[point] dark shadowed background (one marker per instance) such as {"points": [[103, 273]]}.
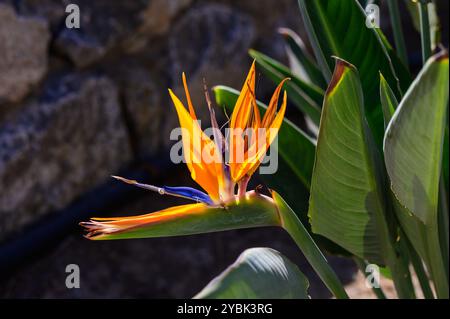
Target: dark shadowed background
{"points": [[78, 105]]}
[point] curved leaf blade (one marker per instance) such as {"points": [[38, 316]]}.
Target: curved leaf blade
{"points": [[388, 100], [346, 203], [298, 52], [413, 152], [338, 28], [258, 273], [413, 143]]}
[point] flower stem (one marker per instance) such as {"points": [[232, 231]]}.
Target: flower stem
{"points": [[243, 186], [398, 31], [292, 224], [424, 30], [417, 263], [362, 267]]}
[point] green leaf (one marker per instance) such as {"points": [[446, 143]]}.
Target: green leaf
{"points": [[291, 223], [258, 273], [388, 100], [413, 143], [413, 151], [346, 203], [433, 18], [301, 60], [412, 226], [307, 97], [293, 176], [337, 28], [445, 158], [396, 23]]}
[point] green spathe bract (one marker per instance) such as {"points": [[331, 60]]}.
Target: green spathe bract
{"points": [[252, 211]]}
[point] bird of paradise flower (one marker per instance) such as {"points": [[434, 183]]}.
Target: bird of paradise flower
{"points": [[209, 169], [221, 207]]}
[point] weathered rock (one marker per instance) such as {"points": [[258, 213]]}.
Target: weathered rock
{"points": [[210, 41], [146, 110], [53, 11], [156, 20], [267, 12], [23, 53], [127, 25], [102, 27], [59, 146]]}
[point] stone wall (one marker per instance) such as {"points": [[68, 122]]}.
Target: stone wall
{"points": [[76, 105]]}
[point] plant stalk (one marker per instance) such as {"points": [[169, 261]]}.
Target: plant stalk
{"points": [[398, 30], [424, 30], [417, 263], [443, 221], [396, 256], [321, 60], [362, 267], [436, 263], [295, 228]]}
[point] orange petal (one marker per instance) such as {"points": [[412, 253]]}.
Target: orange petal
{"points": [[188, 98], [201, 154], [257, 151], [240, 119], [243, 106], [273, 104]]}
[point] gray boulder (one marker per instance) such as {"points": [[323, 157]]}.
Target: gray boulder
{"points": [[23, 53], [58, 146]]}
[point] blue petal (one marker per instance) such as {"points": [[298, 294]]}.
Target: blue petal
{"points": [[189, 192]]}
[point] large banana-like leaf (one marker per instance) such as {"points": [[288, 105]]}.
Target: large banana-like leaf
{"points": [[307, 97], [346, 202], [258, 273], [413, 151], [411, 225], [445, 158], [338, 28], [413, 143]]}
